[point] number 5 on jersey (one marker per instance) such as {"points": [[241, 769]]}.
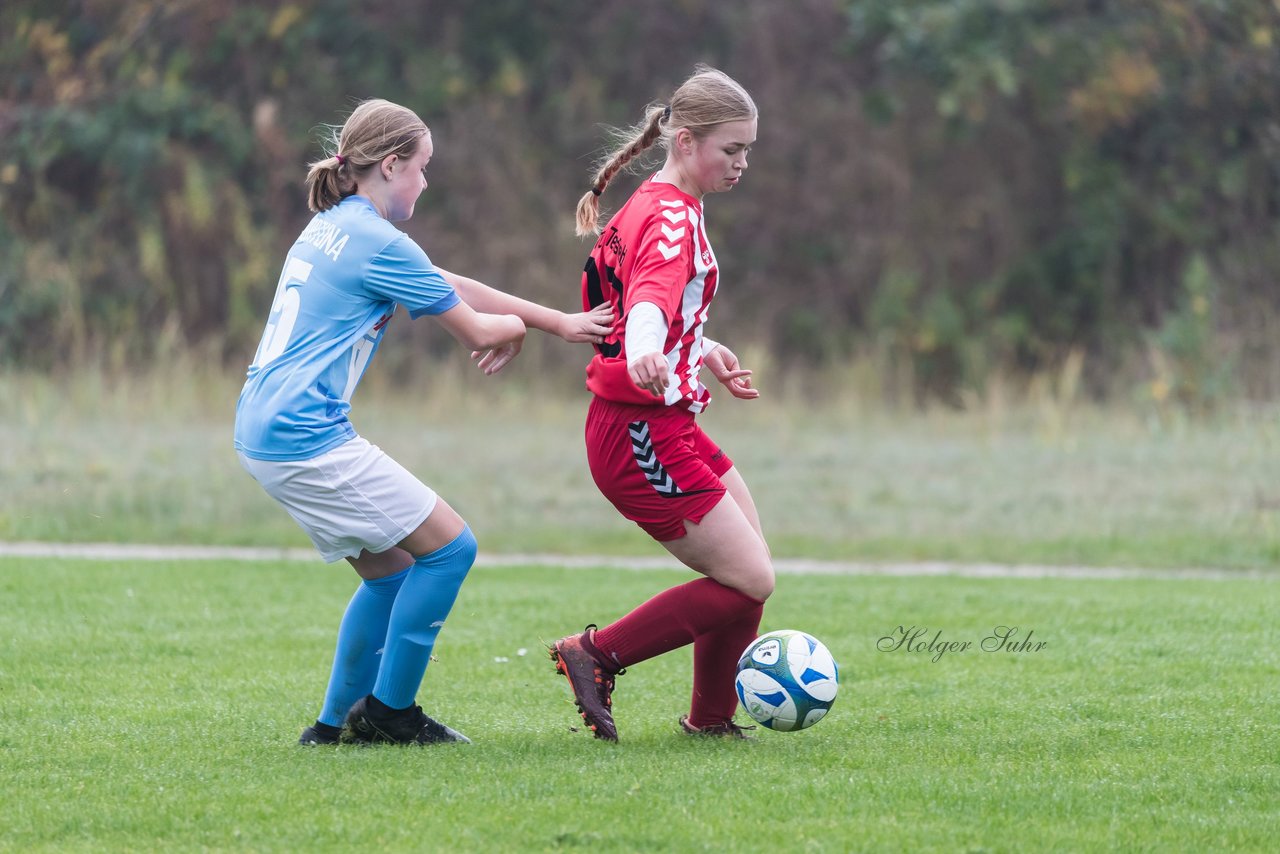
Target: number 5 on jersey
{"points": [[284, 312]]}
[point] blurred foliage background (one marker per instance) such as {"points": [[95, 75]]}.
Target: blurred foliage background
{"points": [[958, 195]]}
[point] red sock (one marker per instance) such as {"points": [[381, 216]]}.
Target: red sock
{"points": [[672, 619], [715, 667]]}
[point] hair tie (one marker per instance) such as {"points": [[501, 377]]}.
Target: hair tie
{"points": [[596, 191], [342, 161], [666, 114]]}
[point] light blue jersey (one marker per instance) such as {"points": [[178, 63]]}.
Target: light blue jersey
{"points": [[341, 283]]}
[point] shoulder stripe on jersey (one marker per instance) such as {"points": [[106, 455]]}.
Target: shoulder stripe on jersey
{"points": [[673, 234], [674, 216], [674, 204]]}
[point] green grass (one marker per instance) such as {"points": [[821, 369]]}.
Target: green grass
{"points": [[149, 460], [154, 707]]}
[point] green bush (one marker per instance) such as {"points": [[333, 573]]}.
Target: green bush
{"points": [[966, 189]]}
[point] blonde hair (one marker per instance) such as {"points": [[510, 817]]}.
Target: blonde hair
{"points": [[373, 131], [708, 98]]}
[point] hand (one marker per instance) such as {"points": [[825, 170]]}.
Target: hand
{"points": [[724, 365], [650, 372], [496, 358], [587, 327]]}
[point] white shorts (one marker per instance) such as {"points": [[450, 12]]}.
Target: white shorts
{"points": [[351, 498]]}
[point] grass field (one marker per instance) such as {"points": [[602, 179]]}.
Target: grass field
{"points": [[151, 461], [155, 707]]}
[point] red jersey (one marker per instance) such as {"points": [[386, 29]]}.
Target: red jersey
{"points": [[655, 250]]}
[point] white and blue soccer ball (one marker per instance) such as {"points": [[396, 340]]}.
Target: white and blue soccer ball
{"points": [[787, 680]]}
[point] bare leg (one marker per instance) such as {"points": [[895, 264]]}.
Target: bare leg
{"points": [[440, 528], [726, 547], [738, 489]]}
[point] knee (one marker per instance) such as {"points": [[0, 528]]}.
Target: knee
{"points": [[464, 549], [467, 546], [761, 589], [454, 559], [758, 585]]}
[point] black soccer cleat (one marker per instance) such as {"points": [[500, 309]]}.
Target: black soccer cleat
{"points": [[371, 721], [591, 683], [318, 734]]}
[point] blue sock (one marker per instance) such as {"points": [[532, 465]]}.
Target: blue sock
{"points": [[360, 638], [421, 606]]}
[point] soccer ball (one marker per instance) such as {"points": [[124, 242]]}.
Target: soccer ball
{"points": [[787, 680]]}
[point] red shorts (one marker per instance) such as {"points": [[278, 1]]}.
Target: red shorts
{"points": [[655, 464]]}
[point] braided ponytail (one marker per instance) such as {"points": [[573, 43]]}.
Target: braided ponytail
{"points": [[632, 143], [708, 98]]}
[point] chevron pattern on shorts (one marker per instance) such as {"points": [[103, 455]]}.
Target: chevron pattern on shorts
{"points": [[647, 459]]}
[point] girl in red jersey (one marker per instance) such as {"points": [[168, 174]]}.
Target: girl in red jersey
{"points": [[647, 454]]}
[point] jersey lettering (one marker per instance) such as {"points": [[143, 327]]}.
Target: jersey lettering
{"points": [[326, 237], [616, 246]]}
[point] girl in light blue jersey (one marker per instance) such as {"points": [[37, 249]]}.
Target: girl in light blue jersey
{"points": [[341, 283]]}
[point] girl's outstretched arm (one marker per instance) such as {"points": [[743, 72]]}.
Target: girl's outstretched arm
{"points": [[587, 327]]}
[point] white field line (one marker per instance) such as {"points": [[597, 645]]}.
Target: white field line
{"points": [[118, 551]]}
